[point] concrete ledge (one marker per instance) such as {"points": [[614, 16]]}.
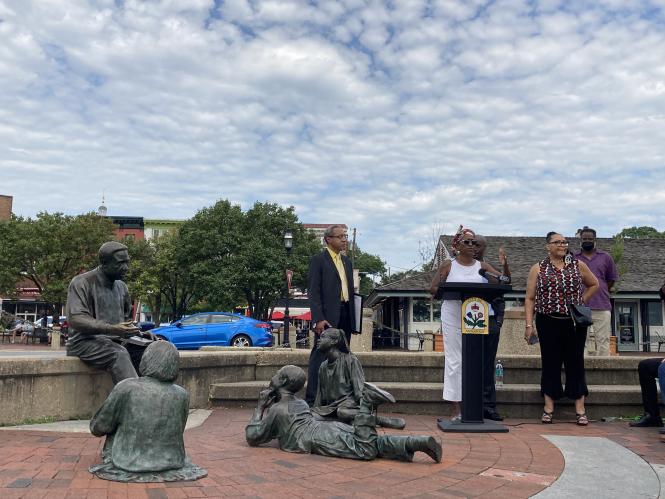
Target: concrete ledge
{"points": [[60, 388], [517, 401]]}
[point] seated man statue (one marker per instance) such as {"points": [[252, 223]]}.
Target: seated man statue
{"points": [[649, 370], [144, 421], [98, 309], [281, 415], [341, 380]]}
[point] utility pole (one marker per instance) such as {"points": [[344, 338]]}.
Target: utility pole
{"points": [[353, 250]]}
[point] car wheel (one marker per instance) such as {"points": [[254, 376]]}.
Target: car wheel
{"points": [[241, 340]]}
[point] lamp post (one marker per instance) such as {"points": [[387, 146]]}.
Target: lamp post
{"points": [[288, 246]]}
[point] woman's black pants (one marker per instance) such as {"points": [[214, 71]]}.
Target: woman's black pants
{"points": [[561, 343]]}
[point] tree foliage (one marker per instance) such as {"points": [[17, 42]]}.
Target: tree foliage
{"points": [[157, 278], [237, 257], [49, 250], [643, 232], [369, 266]]}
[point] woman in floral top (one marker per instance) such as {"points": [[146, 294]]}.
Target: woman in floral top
{"points": [[553, 285]]}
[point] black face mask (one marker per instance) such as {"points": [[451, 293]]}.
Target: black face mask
{"points": [[588, 245]]}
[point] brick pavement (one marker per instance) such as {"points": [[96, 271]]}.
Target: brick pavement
{"points": [[515, 464]]}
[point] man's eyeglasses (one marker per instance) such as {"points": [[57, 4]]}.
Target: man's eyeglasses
{"points": [[470, 242], [341, 236], [559, 243]]}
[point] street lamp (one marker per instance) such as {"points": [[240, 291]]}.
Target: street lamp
{"points": [[288, 246]]}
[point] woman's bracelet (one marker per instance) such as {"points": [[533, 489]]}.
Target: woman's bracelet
{"points": [[529, 325]]}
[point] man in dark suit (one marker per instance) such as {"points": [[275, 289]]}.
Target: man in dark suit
{"points": [[330, 293]]}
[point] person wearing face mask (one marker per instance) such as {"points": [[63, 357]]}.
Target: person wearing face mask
{"points": [[603, 267]]}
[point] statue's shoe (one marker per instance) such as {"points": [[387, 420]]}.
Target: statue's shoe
{"points": [[375, 395], [395, 423], [433, 449]]}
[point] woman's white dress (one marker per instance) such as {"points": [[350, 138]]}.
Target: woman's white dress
{"points": [[451, 326]]}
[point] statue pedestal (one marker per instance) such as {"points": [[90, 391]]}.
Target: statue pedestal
{"points": [[363, 342], [55, 339]]}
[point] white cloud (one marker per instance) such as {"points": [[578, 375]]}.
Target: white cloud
{"points": [[509, 117]]}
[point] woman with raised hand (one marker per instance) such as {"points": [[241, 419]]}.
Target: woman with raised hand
{"points": [[553, 286], [462, 268]]}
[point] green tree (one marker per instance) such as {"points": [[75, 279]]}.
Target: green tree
{"points": [[49, 250], [643, 232], [237, 257], [157, 278], [368, 266]]}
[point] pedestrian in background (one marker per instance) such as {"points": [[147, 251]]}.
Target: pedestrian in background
{"points": [[603, 267]]}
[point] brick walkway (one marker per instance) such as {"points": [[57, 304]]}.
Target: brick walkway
{"points": [[515, 464]]}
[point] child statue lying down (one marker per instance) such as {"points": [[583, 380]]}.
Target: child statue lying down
{"points": [[283, 416]]}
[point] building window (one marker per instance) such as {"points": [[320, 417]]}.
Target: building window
{"points": [[421, 310], [129, 237], [436, 310], [156, 233], [655, 313]]}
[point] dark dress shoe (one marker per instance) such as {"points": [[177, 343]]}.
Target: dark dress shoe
{"points": [[647, 420], [493, 415]]}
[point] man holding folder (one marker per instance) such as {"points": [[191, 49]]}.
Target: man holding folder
{"points": [[330, 293]]}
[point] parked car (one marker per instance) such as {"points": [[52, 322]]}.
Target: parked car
{"points": [[146, 325], [216, 329]]}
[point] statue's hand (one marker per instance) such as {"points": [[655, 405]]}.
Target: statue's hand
{"points": [[125, 329], [266, 398]]}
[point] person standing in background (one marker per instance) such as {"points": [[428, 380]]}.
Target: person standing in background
{"points": [[603, 267], [491, 340], [330, 294]]}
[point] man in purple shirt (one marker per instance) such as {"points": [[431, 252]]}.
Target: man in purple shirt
{"points": [[603, 267]]}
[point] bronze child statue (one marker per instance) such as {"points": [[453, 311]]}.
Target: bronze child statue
{"points": [[283, 416], [144, 421], [341, 380]]}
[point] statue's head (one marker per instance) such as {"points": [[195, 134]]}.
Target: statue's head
{"points": [[290, 378], [160, 361], [114, 260], [332, 338]]}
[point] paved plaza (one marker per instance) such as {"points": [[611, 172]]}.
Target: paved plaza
{"points": [[559, 460]]}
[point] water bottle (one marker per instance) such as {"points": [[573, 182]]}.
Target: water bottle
{"points": [[498, 374]]}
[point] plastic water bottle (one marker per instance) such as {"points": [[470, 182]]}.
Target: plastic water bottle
{"points": [[498, 374]]}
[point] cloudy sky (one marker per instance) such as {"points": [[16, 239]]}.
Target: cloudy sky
{"points": [[396, 117]]}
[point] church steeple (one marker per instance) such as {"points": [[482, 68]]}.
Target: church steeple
{"points": [[101, 211]]}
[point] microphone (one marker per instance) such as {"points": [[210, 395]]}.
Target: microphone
{"points": [[500, 277]]}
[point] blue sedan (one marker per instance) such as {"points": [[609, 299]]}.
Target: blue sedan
{"points": [[216, 329]]}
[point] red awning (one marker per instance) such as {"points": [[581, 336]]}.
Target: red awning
{"points": [[277, 315], [307, 316]]}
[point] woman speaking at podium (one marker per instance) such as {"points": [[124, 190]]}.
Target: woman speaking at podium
{"points": [[462, 268]]}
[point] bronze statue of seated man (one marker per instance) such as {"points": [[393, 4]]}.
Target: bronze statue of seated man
{"points": [[283, 416], [144, 421], [341, 380]]}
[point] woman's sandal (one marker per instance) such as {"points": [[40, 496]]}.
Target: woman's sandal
{"points": [[546, 418], [582, 419]]}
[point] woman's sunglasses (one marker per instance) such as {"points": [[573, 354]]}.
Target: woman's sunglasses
{"points": [[470, 242]]}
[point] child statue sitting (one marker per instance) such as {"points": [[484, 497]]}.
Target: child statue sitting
{"points": [[144, 421], [341, 381]]}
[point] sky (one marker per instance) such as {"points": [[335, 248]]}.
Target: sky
{"points": [[400, 118]]}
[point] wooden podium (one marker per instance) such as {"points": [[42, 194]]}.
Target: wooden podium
{"points": [[474, 298]]}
